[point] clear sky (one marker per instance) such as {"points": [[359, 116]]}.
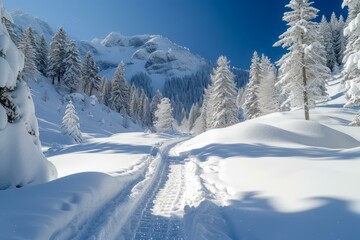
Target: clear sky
{"points": [[234, 28]]}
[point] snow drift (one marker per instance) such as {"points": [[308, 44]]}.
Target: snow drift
{"points": [[22, 161]]}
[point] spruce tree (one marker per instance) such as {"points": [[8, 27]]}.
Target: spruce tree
{"points": [[193, 115], [154, 104], [10, 28], [134, 103], [163, 115], [42, 56], [28, 47], [145, 109], [251, 103], [267, 98], [327, 40], [72, 76], [120, 95], [57, 55], [70, 123], [106, 95], [90, 78], [302, 69], [352, 54], [223, 95]]}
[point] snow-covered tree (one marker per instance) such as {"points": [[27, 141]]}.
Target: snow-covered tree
{"points": [[120, 95], [356, 121], [302, 69], [28, 46], [340, 41], [90, 78], [10, 28], [251, 103], [57, 55], [267, 98], [156, 100], [352, 54], [135, 103], [194, 114], [164, 117], [22, 161], [72, 76], [106, 92], [70, 123], [327, 40], [145, 110], [42, 56], [223, 98], [204, 121]]}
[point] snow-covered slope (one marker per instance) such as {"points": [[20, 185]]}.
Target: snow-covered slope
{"points": [[152, 54], [96, 120], [277, 177], [23, 20]]}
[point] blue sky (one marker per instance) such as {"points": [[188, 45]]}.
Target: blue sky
{"points": [[210, 28]]}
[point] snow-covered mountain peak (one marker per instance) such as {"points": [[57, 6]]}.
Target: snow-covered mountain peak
{"points": [[23, 20], [155, 55]]}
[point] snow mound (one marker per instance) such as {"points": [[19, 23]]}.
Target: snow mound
{"points": [[293, 132], [23, 163]]}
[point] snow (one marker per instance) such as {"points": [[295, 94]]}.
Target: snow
{"points": [[278, 177], [274, 177]]}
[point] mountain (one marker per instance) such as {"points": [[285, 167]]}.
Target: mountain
{"points": [[155, 55], [23, 20]]}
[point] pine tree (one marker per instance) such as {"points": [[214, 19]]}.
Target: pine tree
{"points": [[57, 55], [327, 40], [10, 28], [267, 98], [251, 104], [145, 110], [120, 95], [156, 100], [42, 56], [302, 69], [90, 78], [163, 115], [70, 123], [72, 76], [28, 47], [107, 89], [134, 103], [223, 95], [352, 54], [194, 114], [340, 41]]}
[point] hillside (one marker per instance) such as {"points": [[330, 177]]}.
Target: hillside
{"points": [[259, 179]]}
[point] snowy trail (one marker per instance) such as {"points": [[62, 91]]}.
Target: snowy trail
{"points": [[149, 207], [161, 214]]}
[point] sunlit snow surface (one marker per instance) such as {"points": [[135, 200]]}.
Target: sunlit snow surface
{"points": [[276, 177]]}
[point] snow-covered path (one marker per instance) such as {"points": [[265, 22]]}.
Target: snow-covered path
{"points": [[160, 216], [149, 207]]}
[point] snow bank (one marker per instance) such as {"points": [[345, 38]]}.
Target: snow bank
{"points": [[22, 161], [54, 205], [276, 177]]}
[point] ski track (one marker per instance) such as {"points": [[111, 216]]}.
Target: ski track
{"points": [[149, 207], [161, 216]]}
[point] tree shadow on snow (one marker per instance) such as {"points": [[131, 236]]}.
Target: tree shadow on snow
{"points": [[254, 218], [100, 147], [261, 150]]}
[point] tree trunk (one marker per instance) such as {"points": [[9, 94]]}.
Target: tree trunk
{"points": [[305, 80]]}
